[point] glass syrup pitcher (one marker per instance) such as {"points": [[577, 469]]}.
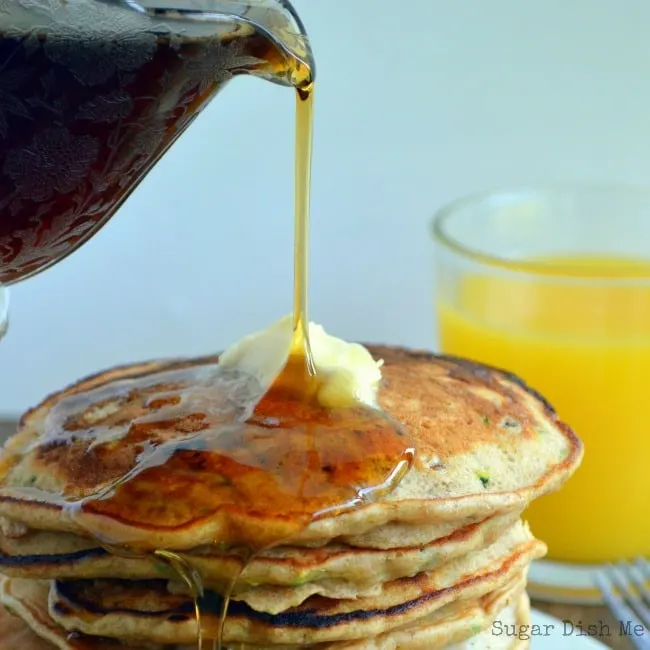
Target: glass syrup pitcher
{"points": [[93, 92]]}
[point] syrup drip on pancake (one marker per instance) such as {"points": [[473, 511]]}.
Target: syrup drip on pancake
{"points": [[192, 579]]}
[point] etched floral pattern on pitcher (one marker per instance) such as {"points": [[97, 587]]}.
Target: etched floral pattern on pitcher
{"points": [[91, 95]]}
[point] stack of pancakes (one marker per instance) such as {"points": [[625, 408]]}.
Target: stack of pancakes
{"points": [[432, 565]]}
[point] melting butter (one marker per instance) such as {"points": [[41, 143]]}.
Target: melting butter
{"points": [[347, 372]]}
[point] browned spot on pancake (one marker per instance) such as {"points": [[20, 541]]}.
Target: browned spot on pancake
{"points": [[86, 467], [122, 409], [164, 430], [83, 468], [128, 371], [160, 403], [453, 406]]}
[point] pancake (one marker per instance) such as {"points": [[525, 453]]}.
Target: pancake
{"points": [[486, 443], [15, 633], [19, 540], [26, 624], [516, 540], [333, 570], [189, 458], [465, 627], [147, 611], [454, 627]]}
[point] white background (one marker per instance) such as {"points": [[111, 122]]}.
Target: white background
{"points": [[419, 101]]}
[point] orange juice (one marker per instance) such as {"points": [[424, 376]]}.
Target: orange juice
{"points": [[580, 334]]}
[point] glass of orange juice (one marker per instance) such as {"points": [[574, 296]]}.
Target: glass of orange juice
{"points": [[553, 284]]}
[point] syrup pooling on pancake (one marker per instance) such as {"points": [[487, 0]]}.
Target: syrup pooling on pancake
{"points": [[173, 448], [211, 444]]}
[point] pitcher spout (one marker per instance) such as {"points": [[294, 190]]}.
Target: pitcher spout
{"points": [[279, 21], [285, 54]]}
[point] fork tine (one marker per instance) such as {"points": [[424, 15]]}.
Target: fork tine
{"points": [[620, 577], [620, 610], [639, 580], [644, 567]]}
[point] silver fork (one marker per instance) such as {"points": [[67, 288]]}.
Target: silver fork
{"points": [[627, 597]]}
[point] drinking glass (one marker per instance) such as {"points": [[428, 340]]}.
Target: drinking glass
{"points": [[553, 284]]}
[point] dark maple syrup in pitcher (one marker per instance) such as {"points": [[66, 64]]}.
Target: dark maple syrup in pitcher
{"points": [[86, 112]]}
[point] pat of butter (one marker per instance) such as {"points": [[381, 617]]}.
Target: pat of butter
{"points": [[347, 371]]}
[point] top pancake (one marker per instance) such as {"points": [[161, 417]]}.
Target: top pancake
{"points": [[485, 442]]}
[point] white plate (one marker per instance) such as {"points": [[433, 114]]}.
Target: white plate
{"points": [[558, 637]]}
